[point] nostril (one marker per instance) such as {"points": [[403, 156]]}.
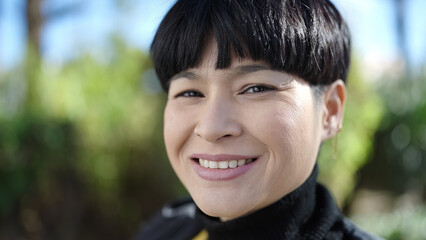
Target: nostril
{"points": [[213, 128]]}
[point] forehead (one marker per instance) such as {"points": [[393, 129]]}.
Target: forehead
{"points": [[208, 63]]}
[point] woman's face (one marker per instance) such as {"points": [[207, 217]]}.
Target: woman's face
{"points": [[240, 138]]}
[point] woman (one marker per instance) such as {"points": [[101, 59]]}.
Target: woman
{"points": [[254, 87]]}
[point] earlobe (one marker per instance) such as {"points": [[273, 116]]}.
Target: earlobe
{"points": [[333, 108]]}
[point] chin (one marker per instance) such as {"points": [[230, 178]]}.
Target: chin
{"points": [[223, 207], [224, 213]]}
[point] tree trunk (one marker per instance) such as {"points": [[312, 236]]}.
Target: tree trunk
{"points": [[35, 21], [401, 35]]}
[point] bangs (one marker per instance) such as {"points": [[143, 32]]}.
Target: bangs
{"points": [[306, 38]]}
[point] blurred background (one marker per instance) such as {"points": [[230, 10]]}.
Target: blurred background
{"points": [[81, 148]]}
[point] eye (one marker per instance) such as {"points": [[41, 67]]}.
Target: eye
{"points": [[189, 94], [258, 89]]}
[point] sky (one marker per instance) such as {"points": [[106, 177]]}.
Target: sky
{"points": [[88, 27]]}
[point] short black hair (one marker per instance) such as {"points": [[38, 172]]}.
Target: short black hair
{"points": [[308, 38]]}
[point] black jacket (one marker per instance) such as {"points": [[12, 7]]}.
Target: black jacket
{"points": [[308, 213]]}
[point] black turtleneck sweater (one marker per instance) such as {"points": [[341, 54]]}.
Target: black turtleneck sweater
{"points": [[307, 213]]}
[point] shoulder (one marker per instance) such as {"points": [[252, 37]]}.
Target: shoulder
{"points": [[175, 221], [352, 232]]}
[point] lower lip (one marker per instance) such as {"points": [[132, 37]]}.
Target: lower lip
{"points": [[217, 174]]}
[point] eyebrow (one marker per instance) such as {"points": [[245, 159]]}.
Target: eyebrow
{"points": [[235, 72]]}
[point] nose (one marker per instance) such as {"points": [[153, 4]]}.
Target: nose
{"points": [[217, 122]]}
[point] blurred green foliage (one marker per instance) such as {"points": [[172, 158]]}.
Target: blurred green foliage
{"points": [[400, 142], [81, 149], [402, 224], [363, 113], [397, 163], [82, 154]]}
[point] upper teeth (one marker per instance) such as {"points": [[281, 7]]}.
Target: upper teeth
{"points": [[224, 164]]}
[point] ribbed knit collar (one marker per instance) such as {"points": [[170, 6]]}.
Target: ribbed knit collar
{"points": [[287, 218]]}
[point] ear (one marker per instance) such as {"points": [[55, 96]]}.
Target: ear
{"points": [[333, 107]]}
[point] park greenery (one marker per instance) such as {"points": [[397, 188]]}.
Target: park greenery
{"points": [[82, 154]]}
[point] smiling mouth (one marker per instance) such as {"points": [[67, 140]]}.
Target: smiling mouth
{"points": [[223, 164]]}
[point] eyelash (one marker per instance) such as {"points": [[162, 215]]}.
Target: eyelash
{"points": [[189, 94], [259, 89]]}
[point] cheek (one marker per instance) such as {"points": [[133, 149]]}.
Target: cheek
{"points": [[292, 140], [168, 129], [286, 128], [176, 130], [297, 118], [289, 119]]}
